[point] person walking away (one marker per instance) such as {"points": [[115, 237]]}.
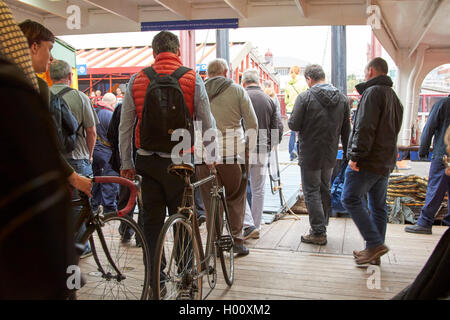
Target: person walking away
{"points": [[270, 91], [372, 154], [104, 194], [321, 115], [438, 182], [270, 133], [160, 189], [294, 87], [231, 106], [80, 107]]}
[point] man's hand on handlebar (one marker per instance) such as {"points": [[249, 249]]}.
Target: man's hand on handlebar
{"points": [[81, 183], [128, 173]]}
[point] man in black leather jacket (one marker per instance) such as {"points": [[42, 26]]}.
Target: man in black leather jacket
{"points": [[372, 153]]}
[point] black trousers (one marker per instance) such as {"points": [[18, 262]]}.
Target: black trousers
{"points": [[160, 191]]}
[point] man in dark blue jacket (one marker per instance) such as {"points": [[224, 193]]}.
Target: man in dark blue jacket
{"points": [[438, 181], [372, 151]]}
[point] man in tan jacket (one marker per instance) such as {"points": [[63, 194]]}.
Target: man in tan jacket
{"points": [[233, 110]]}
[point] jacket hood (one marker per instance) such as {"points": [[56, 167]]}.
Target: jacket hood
{"points": [[382, 80], [327, 94], [216, 85]]}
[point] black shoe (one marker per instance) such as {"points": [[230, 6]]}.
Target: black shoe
{"points": [[240, 250], [417, 229], [201, 219]]}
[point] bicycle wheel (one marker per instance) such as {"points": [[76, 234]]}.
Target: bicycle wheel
{"points": [[225, 242], [118, 269], [177, 264]]}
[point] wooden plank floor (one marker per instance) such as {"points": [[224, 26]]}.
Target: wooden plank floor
{"points": [[280, 267]]}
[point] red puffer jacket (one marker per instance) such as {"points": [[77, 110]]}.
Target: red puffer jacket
{"points": [[166, 62]]}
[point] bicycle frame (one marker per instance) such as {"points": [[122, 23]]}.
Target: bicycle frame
{"points": [[188, 209], [94, 222]]}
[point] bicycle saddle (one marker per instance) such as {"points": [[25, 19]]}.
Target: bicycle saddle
{"points": [[182, 169]]}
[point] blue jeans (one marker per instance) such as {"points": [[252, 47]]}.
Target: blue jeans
{"points": [[292, 143], [357, 184], [438, 185], [104, 194], [82, 167]]}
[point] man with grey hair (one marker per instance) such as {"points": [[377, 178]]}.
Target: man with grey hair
{"points": [[321, 115], [270, 133], [230, 105], [81, 157]]}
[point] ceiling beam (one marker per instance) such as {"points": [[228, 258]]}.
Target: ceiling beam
{"points": [[240, 6], [301, 5], [179, 7], [61, 9], [51, 7], [424, 23], [120, 8]]}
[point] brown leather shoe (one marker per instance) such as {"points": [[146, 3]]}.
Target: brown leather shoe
{"points": [[375, 262], [368, 255], [310, 238]]}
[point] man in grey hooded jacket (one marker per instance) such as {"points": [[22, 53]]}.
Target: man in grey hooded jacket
{"points": [[321, 115]]}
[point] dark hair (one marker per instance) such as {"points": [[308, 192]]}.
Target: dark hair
{"points": [[379, 64], [36, 32], [165, 41], [314, 72]]}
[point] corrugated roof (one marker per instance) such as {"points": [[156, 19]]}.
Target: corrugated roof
{"points": [[142, 56]]}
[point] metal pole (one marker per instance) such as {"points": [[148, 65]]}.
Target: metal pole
{"points": [[223, 44], [339, 58]]}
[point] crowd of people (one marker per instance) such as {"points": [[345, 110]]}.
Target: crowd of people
{"points": [[120, 134]]}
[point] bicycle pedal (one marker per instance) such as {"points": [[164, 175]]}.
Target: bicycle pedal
{"points": [[225, 242]]}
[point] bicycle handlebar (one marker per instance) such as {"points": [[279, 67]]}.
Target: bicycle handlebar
{"points": [[125, 182]]}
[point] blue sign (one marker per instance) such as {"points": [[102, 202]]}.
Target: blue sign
{"points": [[190, 24], [81, 69], [200, 67]]}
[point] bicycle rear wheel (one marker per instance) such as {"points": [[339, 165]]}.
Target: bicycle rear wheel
{"points": [[177, 263], [225, 242], [112, 254]]}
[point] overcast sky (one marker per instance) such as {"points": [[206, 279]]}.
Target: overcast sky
{"points": [[311, 44]]}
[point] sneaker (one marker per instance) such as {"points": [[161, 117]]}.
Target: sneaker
{"points": [[294, 155], [240, 250], [86, 253], [251, 233], [315, 239], [371, 254], [417, 229]]}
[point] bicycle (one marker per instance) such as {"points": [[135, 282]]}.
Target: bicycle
{"points": [[180, 276], [118, 268]]}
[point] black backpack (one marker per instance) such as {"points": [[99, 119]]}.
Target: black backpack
{"points": [[66, 124], [164, 111]]}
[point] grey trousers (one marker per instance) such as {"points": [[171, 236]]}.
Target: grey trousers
{"points": [[258, 174], [316, 189]]}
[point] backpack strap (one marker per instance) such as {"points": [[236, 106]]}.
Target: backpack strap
{"points": [[181, 71], [150, 73], [64, 91]]}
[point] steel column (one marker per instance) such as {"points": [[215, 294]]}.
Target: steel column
{"points": [[339, 58]]}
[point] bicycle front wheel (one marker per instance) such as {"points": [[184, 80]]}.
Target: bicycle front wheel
{"points": [[119, 268], [225, 243], [177, 263]]}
